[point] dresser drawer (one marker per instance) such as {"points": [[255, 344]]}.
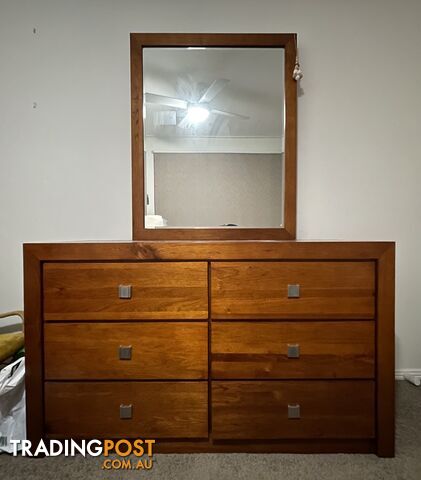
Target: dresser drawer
{"points": [[318, 409], [295, 290], [159, 291], [340, 349], [152, 350], [152, 409]]}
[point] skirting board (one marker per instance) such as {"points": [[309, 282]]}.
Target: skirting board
{"points": [[410, 374]]}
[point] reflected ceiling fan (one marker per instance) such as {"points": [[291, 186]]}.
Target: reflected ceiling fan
{"points": [[196, 112]]}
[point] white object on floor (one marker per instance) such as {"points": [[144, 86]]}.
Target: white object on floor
{"points": [[12, 404], [412, 375], [153, 221], [415, 379]]}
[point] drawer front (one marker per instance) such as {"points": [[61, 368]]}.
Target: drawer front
{"points": [[152, 350], [159, 291], [293, 409], [314, 349], [153, 409], [319, 290]]}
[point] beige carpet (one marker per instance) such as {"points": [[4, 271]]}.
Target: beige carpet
{"points": [[405, 466]]}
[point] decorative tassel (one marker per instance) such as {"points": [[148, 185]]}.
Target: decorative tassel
{"points": [[297, 74]]}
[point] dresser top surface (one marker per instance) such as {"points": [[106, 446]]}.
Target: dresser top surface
{"points": [[208, 250]]}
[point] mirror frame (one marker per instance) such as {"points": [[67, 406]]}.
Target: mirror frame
{"points": [[254, 40]]}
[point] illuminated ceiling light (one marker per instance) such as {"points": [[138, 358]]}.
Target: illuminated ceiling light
{"points": [[197, 114]]}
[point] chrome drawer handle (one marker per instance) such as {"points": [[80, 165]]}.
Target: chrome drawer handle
{"points": [[126, 411], [125, 291], [294, 411], [294, 291], [293, 350], [125, 352]]}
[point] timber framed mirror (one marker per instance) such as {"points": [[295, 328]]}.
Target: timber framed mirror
{"points": [[214, 120]]}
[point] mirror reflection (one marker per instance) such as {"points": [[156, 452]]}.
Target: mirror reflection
{"points": [[213, 137]]}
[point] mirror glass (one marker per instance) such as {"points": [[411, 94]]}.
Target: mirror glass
{"points": [[213, 137]]}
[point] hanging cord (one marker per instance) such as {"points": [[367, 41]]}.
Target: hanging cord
{"points": [[297, 74]]}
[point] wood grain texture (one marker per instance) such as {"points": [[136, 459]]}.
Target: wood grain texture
{"points": [[203, 445], [138, 174], [285, 41], [160, 409], [380, 253], [210, 250], [386, 354], [259, 290], [259, 410], [89, 291], [337, 445], [33, 347], [173, 39], [290, 184], [247, 350], [160, 350]]}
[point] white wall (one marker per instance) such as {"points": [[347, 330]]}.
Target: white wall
{"points": [[65, 165]]}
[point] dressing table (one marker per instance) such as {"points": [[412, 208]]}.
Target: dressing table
{"points": [[204, 336]]}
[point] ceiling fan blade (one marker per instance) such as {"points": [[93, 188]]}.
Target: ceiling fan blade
{"points": [[214, 88], [167, 101], [228, 114]]}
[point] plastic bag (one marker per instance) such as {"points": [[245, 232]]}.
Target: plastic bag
{"points": [[12, 404]]}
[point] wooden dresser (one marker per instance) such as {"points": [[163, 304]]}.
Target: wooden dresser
{"points": [[230, 346]]}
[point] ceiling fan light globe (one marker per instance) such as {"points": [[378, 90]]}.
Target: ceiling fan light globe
{"points": [[197, 114]]}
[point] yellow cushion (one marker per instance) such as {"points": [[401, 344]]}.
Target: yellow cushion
{"points": [[10, 343]]}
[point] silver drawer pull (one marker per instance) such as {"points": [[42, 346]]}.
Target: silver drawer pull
{"points": [[293, 350], [126, 411], [294, 411], [125, 291], [125, 352], [294, 291]]}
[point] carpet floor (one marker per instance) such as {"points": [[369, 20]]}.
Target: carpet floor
{"points": [[405, 466]]}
